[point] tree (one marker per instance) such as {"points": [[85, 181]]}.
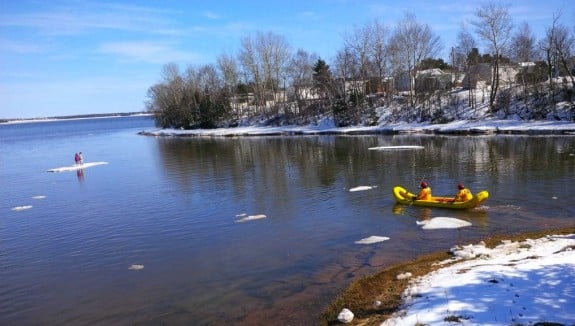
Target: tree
{"points": [[493, 24], [166, 99], [378, 51], [523, 44], [467, 56], [414, 42], [431, 63], [300, 74], [523, 51], [322, 78], [264, 61], [230, 74]]}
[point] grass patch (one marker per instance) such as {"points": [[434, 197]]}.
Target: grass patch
{"points": [[360, 295]]}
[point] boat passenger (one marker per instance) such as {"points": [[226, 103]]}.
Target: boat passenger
{"points": [[77, 158], [463, 195], [424, 192], [81, 157]]}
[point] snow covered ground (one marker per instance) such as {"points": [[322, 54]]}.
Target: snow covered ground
{"points": [[485, 126], [515, 283]]}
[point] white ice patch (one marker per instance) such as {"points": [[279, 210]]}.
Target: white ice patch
{"points": [[362, 188], [21, 208], [136, 267], [76, 167], [391, 148], [404, 276], [372, 239], [443, 223], [38, 197], [250, 218]]}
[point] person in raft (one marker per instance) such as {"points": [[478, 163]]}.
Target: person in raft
{"points": [[424, 192], [463, 194], [77, 158]]}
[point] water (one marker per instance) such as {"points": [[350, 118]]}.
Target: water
{"points": [[171, 205]]}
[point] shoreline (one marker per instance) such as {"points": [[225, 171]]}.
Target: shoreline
{"points": [[389, 291], [462, 127]]}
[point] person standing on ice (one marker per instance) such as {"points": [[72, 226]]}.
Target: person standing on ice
{"points": [[77, 158], [81, 157]]}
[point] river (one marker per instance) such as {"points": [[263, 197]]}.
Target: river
{"points": [[155, 236]]}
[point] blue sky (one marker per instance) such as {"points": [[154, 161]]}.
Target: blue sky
{"points": [[67, 57]]}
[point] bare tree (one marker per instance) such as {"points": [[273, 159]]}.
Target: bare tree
{"points": [[358, 44], [415, 42], [230, 73], [264, 62], [274, 52], [465, 45], [523, 44], [251, 68], [523, 51], [494, 25], [378, 50], [549, 51], [300, 75], [564, 45]]}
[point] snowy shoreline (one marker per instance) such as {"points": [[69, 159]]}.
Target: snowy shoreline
{"points": [[462, 127], [517, 282], [524, 280]]}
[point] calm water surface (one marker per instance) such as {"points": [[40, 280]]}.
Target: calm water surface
{"points": [[172, 205]]}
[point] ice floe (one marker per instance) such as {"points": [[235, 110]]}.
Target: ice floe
{"points": [[38, 197], [443, 223], [391, 148], [76, 167], [362, 188], [372, 239], [136, 267], [21, 208], [246, 217]]}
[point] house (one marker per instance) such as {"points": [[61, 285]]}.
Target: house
{"points": [[482, 73], [431, 80]]}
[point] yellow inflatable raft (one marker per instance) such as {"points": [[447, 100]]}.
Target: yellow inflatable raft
{"points": [[403, 196]]}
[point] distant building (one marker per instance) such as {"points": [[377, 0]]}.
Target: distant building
{"points": [[431, 80], [482, 74]]}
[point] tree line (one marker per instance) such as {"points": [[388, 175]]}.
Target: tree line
{"points": [[268, 81]]}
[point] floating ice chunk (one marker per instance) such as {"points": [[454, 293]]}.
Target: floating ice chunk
{"points": [[21, 208], [387, 148], [136, 267], [372, 239], [362, 188], [443, 223], [251, 218], [38, 197], [77, 167], [345, 316]]}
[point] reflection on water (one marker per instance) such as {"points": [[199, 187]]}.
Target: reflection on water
{"points": [[173, 206]]}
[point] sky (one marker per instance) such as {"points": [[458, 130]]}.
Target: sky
{"points": [[69, 57]]}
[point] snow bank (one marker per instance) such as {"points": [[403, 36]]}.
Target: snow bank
{"points": [[515, 283]]}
